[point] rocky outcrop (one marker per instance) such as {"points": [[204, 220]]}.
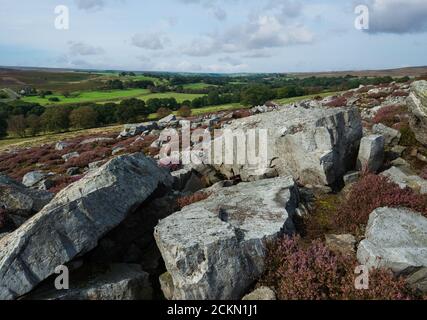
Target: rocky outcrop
{"points": [[391, 136], [116, 282], [260, 294], [73, 222], [315, 145], [395, 239], [371, 153], [215, 249], [405, 178], [417, 104], [130, 130]]}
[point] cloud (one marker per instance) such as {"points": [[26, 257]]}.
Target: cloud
{"points": [[92, 5], [150, 41], [257, 55], [397, 16], [261, 32], [83, 49], [230, 60]]}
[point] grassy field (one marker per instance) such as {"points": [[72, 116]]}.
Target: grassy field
{"points": [[197, 86], [109, 96], [311, 96]]}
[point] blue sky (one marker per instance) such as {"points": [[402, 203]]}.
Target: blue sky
{"points": [[214, 35]]}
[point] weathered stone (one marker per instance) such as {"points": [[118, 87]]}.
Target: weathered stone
{"points": [[315, 145], [32, 178], [167, 120], [61, 146], [215, 249], [70, 155], [117, 282], [96, 140], [263, 293], [73, 171], [371, 153], [19, 200], [391, 136], [187, 180], [417, 104], [351, 177], [166, 284], [131, 130], [73, 222], [117, 150], [395, 239], [344, 243], [418, 280], [403, 177]]}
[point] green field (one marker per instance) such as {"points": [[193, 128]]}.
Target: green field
{"points": [[109, 96], [198, 86], [311, 96]]}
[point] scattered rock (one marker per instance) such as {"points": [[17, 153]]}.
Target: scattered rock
{"points": [[70, 155], [391, 136], [351, 177], [117, 150], [260, 294], [371, 153], [418, 280], [73, 171], [166, 284], [417, 104], [405, 178], [33, 178], [96, 140], [395, 239], [131, 130], [167, 120], [61, 145], [75, 220], [344, 243], [215, 249]]}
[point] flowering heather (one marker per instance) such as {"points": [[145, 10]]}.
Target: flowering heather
{"points": [[337, 102], [196, 197], [390, 115], [314, 272], [372, 192]]}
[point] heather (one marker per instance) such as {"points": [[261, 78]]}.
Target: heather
{"points": [[193, 198], [313, 272]]}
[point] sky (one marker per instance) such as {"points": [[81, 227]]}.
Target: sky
{"points": [[216, 36]]}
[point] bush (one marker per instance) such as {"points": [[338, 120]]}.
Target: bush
{"points": [[314, 272], [83, 118], [184, 112], [390, 115], [372, 192], [163, 112], [196, 197]]}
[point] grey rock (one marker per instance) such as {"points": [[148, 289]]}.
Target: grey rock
{"points": [[260, 294], [395, 239], [167, 120], [315, 145], [166, 284], [418, 280], [95, 165], [371, 153], [33, 178], [391, 136], [351, 177], [73, 222], [344, 243], [403, 177], [131, 130], [215, 249], [417, 104], [96, 140], [61, 145], [70, 155], [73, 171], [118, 282], [117, 150]]}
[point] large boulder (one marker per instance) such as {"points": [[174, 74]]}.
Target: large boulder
{"points": [[315, 145], [417, 104], [32, 178], [405, 178], [215, 249], [371, 153], [395, 239], [18, 200], [73, 222]]}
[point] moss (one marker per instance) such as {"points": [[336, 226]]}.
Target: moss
{"points": [[408, 137]]}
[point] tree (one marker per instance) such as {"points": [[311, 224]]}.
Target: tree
{"points": [[56, 119], [17, 125], [83, 118], [184, 112], [130, 110], [3, 125], [34, 124], [256, 95], [163, 112]]}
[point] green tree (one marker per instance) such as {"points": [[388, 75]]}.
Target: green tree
{"points": [[256, 95], [56, 119], [3, 125], [17, 125], [184, 112], [83, 118], [34, 124]]}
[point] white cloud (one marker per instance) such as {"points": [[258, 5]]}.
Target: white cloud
{"points": [[150, 41], [90, 4], [84, 49]]}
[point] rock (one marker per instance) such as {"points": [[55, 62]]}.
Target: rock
{"points": [[167, 120], [131, 130], [33, 178], [19, 200], [70, 155], [187, 180], [315, 145], [118, 282], [401, 164], [344, 243], [215, 248], [96, 140], [166, 284], [95, 165], [391, 136], [418, 280], [73, 171], [398, 151], [404, 178], [3, 234], [61, 145], [260, 294], [417, 104], [117, 150], [395, 239], [45, 184], [371, 153], [351, 177], [73, 222]]}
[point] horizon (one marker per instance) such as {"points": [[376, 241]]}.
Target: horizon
{"points": [[219, 37]]}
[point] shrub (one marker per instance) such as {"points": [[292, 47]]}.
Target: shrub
{"points": [[184, 112], [163, 112], [196, 197], [389, 115], [372, 192], [400, 94], [314, 272]]}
